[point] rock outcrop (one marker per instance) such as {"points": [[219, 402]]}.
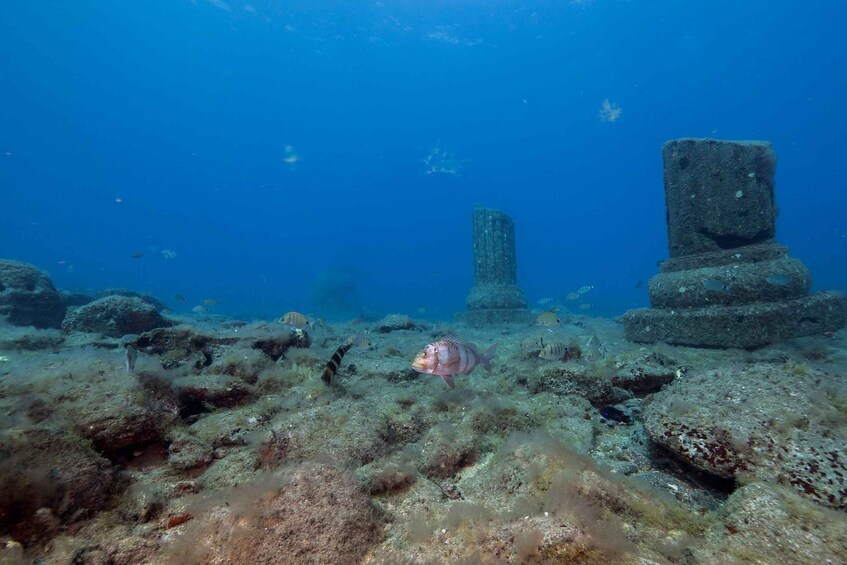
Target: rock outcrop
{"points": [[28, 298]]}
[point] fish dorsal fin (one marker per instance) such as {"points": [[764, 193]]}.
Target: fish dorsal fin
{"points": [[452, 338], [455, 340]]}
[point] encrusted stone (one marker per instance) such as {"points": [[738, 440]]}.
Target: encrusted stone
{"points": [[495, 297], [727, 282]]}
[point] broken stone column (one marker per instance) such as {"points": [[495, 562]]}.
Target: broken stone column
{"points": [[495, 297], [727, 282]]}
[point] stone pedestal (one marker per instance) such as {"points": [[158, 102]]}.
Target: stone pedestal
{"points": [[495, 297], [727, 282]]}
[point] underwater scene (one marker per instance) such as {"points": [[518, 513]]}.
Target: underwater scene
{"points": [[423, 282]]}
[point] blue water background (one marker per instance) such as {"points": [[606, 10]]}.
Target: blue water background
{"points": [[183, 110]]}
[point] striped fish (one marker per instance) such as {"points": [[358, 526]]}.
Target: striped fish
{"points": [[131, 358], [295, 320], [331, 366], [449, 356], [553, 350]]}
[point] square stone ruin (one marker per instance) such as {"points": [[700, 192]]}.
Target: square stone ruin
{"points": [[727, 283], [495, 297]]}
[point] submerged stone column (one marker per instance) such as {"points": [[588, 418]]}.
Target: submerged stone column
{"points": [[727, 282], [495, 297]]}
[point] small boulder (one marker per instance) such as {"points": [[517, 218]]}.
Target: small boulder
{"points": [[394, 322], [779, 422], [50, 479], [28, 298], [765, 523], [315, 514], [115, 316], [647, 374]]}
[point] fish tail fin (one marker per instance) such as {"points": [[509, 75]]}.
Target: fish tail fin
{"points": [[488, 356]]}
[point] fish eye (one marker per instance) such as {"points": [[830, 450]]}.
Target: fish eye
{"points": [[424, 354]]}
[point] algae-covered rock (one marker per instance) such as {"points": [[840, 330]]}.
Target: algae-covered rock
{"points": [[313, 514], [115, 316], [571, 379], [763, 523], [49, 478], [648, 373], [28, 298], [776, 422], [393, 323]]}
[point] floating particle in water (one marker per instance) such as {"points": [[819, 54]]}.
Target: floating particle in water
{"points": [[289, 157], [778, 280], [136, 255], [168, 253], [3, 358], [716, 285]]}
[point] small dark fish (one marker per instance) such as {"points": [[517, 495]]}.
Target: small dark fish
{"points": [[778, 280], [179, 298], [716, 285], [332, 365], [614, 415], [131, 357], [136, 255], [638, 284]]}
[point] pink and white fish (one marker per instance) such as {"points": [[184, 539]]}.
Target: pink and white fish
{"points": [[450, 356]]}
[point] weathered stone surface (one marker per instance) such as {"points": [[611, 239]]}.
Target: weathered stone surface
{"points": [[30, 339], [719, 194], [394, 322], [115, 316], [116, 414], [764, 523], [28, 298], [76, 298], [201, 393], [49, 478], [571, 378], [151, 300], [316, 514], [495, 298], [773, 422], [733, 284], [727, 283], [649, 373], [748, 326]]}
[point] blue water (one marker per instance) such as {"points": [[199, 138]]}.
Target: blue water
{"points": [[182, 110]]}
